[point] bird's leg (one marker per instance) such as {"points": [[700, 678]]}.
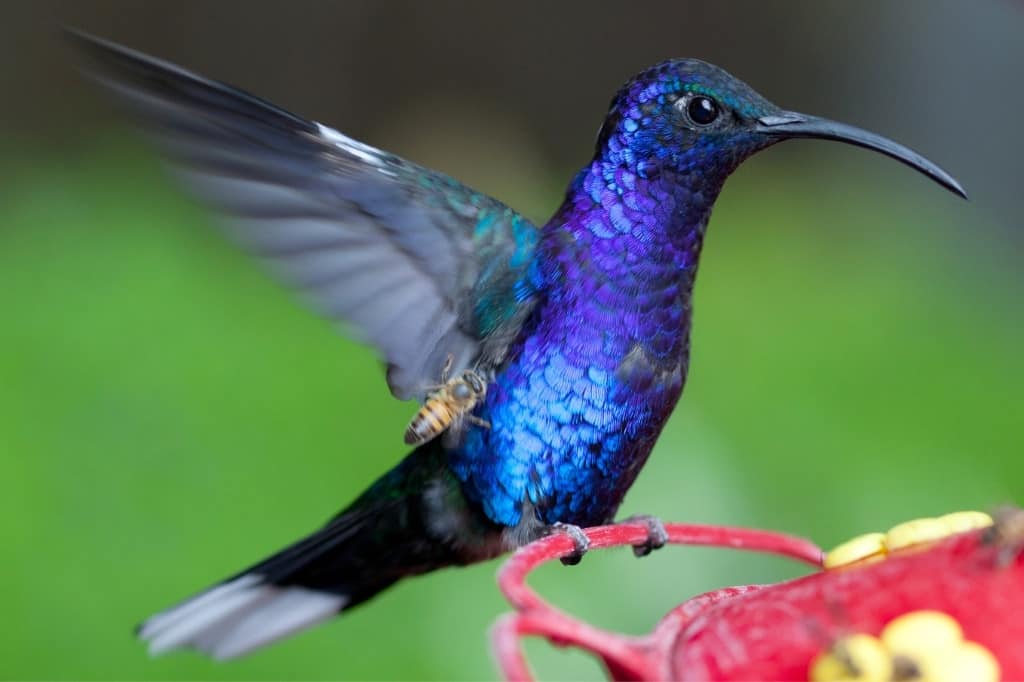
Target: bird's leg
{"points": [[579, 539], [657, 536]]}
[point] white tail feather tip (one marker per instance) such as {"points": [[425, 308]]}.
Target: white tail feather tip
{"points": [[237, 617]]}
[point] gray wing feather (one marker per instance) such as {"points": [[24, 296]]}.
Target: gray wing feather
{"points": [[386, 247]]}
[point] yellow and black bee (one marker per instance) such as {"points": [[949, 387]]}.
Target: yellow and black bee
{"points": [[447, 405]]}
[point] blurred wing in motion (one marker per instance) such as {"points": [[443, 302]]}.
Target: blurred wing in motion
{"points": [[414, 262]]}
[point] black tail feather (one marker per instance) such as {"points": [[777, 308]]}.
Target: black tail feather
{"points": [[411, 521]]}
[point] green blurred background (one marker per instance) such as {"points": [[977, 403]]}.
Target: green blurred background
{"points": [[168, 414]]}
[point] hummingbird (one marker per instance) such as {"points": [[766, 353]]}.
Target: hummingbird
{"points": [[580, 326]]}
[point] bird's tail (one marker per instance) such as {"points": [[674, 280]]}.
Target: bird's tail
{"points": [[412, 520]]}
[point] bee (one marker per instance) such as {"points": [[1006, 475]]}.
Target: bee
{"points": [[448, 404]]}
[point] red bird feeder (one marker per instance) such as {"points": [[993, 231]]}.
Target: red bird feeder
{"points": [[932, 599]]}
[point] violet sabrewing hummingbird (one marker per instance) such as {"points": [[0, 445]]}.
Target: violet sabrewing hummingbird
{"points": [[581, 326]]}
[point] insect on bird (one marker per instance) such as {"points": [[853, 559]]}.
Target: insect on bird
{"points": [[446, 407], [581, 325]]}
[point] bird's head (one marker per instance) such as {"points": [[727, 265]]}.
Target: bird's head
{"points": [[690, 117]]}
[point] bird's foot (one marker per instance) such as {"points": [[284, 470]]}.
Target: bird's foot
{"points": [[657, 536], [579, 539]]}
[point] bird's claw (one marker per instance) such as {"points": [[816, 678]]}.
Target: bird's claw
{"points": [[579, 539], [657, 536]]}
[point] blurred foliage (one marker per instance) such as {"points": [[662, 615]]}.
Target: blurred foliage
{"points": [[168, 413]]}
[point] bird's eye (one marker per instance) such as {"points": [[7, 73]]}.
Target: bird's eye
{"points": [[702, 110]]}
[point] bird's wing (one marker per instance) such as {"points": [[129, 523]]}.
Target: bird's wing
{"points": [[410, 260]]}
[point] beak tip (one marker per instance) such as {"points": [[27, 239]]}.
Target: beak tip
{"points": [[950, 183]]}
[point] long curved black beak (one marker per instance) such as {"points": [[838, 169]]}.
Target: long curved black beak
{"points": [[790, 124]]}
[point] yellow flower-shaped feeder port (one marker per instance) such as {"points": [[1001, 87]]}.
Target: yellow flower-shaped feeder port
{"points": [[921, 645], [875, 546]]}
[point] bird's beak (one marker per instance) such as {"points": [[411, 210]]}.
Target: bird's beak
{"points": [[789, 124]]}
